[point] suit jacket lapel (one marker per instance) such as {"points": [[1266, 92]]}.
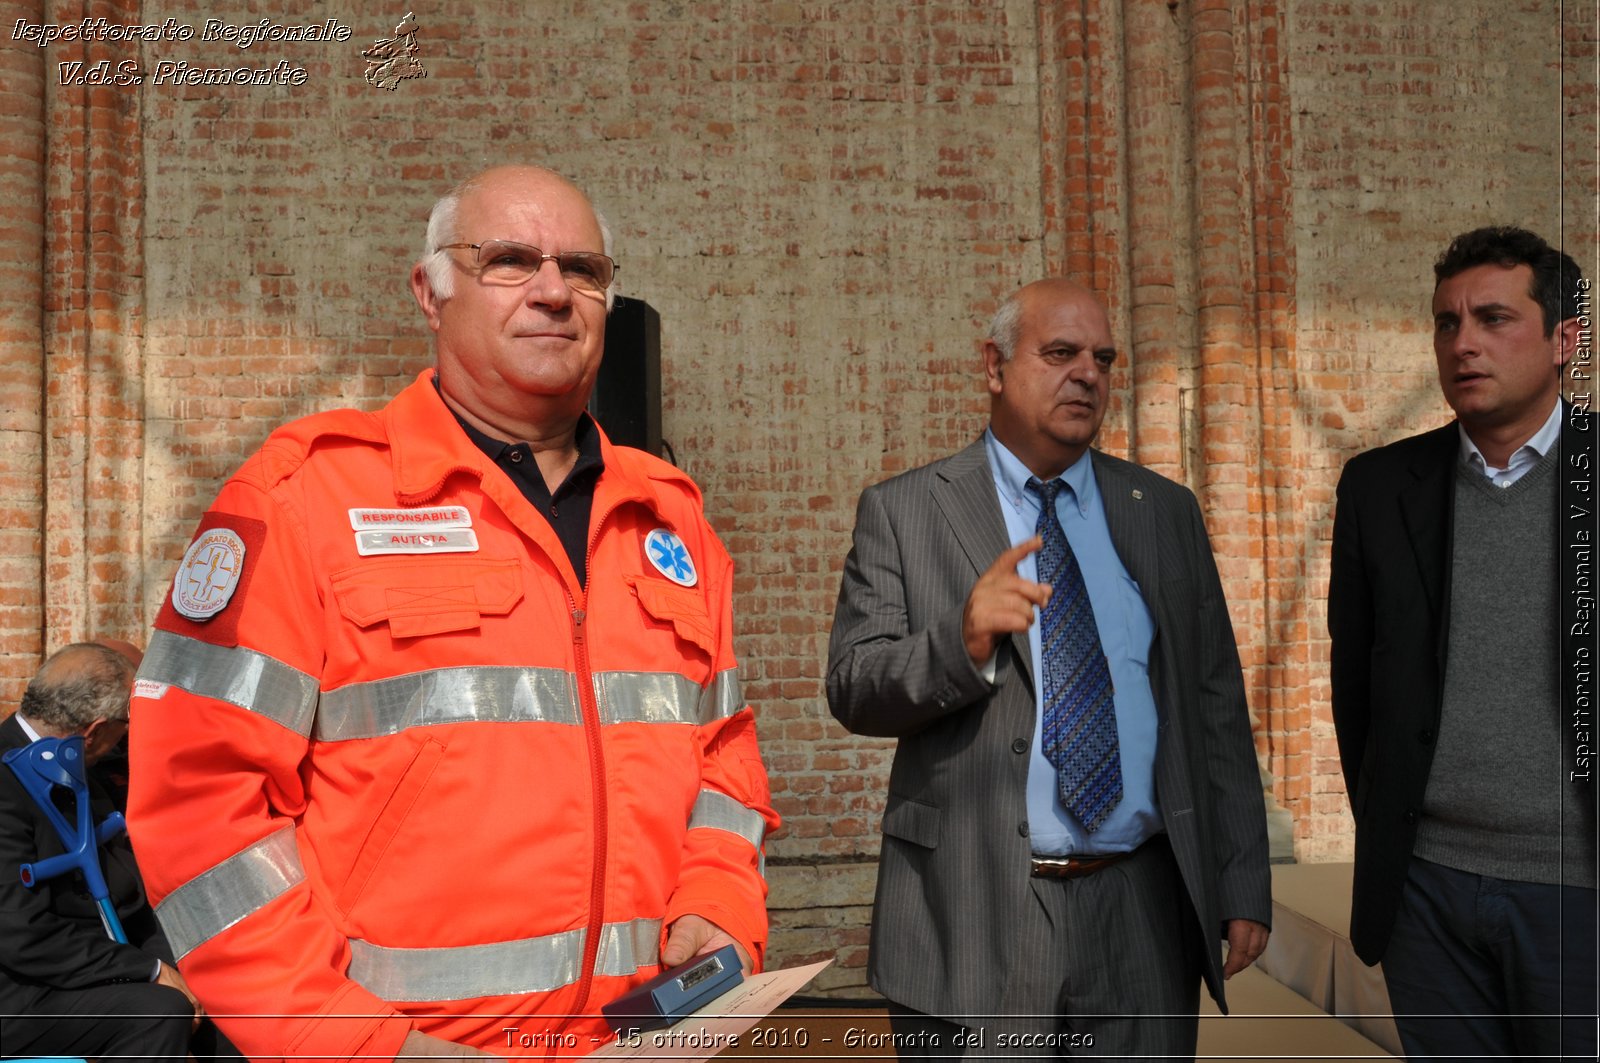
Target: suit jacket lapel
{"points": [[1131, 521], [966, 495], [1427, 505]]}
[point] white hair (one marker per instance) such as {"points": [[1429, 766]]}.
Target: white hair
{"points": [[1006, 327], [442, 230]]}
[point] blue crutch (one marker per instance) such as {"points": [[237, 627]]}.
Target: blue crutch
{"points": [[52, 762]]}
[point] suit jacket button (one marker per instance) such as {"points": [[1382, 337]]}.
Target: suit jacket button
{"points": [[1022, 828], [1425, 735], [1019, 746], [1411, 815]]}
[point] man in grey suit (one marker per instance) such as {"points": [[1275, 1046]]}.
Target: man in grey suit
{"points": [[1074, 814]]}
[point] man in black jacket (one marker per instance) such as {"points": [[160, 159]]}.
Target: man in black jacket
{"points": [[1475, 837], [66, 988]]}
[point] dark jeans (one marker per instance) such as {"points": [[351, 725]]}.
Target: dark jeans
{"points": [[1482, 966]]}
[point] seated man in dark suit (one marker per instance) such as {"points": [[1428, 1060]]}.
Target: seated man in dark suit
{"points": [[66, 988]]}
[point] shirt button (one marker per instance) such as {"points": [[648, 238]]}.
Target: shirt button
{"points": [[553, 511], [1019, 746], [516, 457]]}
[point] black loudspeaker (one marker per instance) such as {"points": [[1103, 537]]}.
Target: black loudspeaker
{"points": [[627, 393]]}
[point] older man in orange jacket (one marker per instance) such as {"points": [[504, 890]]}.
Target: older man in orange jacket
{"points": [[439, 741]]}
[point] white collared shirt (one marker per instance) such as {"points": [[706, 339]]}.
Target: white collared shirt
{"points": [[1526, 456], [27, 728]]}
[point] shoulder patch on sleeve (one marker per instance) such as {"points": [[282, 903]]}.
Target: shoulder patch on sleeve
{"points": [[215, 570]]}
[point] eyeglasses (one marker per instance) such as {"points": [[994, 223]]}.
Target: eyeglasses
{"points": [[506, 262]]}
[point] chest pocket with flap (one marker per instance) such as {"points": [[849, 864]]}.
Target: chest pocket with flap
{"points": [[428, 597], [682, 607]]}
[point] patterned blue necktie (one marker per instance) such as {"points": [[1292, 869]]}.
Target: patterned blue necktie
{"points": [[1080, 722]]}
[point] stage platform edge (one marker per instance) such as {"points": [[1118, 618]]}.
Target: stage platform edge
{"points": [[1310, 952]]}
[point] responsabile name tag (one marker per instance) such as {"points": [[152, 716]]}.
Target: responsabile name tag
{"points": [[424, 530]]}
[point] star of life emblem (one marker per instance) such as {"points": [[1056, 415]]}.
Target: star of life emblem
{"points": [[667, 554], [208, 574]]}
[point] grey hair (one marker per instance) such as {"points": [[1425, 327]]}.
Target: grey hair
{"points": [[1006, 327], [442, 230], [94, 685]]}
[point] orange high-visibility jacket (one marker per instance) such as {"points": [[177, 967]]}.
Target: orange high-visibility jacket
{"points": [[439, 785]]}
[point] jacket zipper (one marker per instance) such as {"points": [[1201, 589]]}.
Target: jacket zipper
{"points": [[597, 771], [597, 764]]}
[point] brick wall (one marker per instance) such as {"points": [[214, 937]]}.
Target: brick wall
{"points": [[22, 479], [824, 202], [1412, 122]]}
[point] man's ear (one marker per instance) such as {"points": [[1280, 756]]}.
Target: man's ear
{"points": [[93, 731], [422, 291], [993, 366], [1565, 341]]}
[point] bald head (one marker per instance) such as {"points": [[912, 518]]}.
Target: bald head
{"points": [[1006, 325], [445, 220], [127, 649], [78, 685]]}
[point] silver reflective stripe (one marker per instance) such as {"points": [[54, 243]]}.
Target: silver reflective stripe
{"points": [[723, 697], [646, 697], [532, 965], [447, 695], [238, 676], [214, 900], [626, 947], [718, 811], [504, 968]]}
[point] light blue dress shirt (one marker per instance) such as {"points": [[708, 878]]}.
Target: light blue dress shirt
{"points": [[1126, 631]]}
